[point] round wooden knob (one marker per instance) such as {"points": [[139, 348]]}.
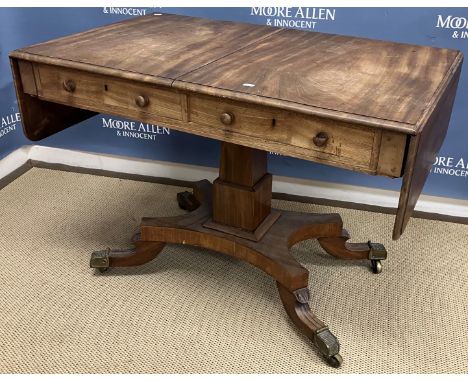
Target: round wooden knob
{"points": [[142, 101], [69, 85], [321, 139], [227, 118]]}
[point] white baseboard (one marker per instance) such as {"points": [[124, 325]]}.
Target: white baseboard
{"points": [[13, 161], [121, 164], [293, 186]]}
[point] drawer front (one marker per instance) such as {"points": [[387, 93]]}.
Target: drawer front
{"points": [[105, 94], [332, 142], [320, 139]]}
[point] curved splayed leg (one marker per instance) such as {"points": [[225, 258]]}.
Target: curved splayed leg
{"points": [[141, 254], [339, 247], [297, 306]]}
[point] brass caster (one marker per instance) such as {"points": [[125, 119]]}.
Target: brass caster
{"points": [[376, 266], [328, 345], [100, 260], [335, 361], [187, 201], [376, 254]]}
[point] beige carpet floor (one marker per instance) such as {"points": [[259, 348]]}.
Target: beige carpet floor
{"points": [[195, 311]]}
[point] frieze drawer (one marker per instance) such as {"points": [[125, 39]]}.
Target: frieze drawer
{"points": [[341, 144], [323, 140], [104, 93]]}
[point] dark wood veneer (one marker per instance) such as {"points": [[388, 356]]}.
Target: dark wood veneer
{"points": [[376, 107]]}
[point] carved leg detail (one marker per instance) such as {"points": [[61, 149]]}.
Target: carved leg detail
{"points": [[297, 306], [340, 248], [141, 254]]}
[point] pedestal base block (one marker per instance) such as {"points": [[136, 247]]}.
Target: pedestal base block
{"points": [[248, 206]]}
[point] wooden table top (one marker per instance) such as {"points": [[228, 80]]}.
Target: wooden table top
{"points": [[376, 83], [386, 106]]}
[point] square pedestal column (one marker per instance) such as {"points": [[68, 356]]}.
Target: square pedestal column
{"points": [[242, 192]]}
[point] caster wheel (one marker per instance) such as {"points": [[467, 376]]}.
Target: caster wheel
{"points": [[376, 266], [100, 260], [102, 270], [335, 361]]}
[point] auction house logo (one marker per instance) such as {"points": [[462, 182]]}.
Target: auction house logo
{"points": [[135, 130], [458, 25], [450, 166], [9, 123], [297, 17], [125, 11]]}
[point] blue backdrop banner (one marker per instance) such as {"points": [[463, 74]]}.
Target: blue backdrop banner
{"points": [[440, 27]]}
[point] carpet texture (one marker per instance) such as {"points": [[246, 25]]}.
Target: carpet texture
{"points": [[195, 311]]}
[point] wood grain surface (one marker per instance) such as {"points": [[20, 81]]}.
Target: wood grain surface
{"points": [[242, 165], [371, 78], [378, 83], [384, 106], [40, 118], [93, 90], [423, 149], [348, 145], [164, 46]]}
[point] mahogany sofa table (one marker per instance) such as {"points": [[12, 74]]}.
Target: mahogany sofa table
{"points": [[371, 106]]}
